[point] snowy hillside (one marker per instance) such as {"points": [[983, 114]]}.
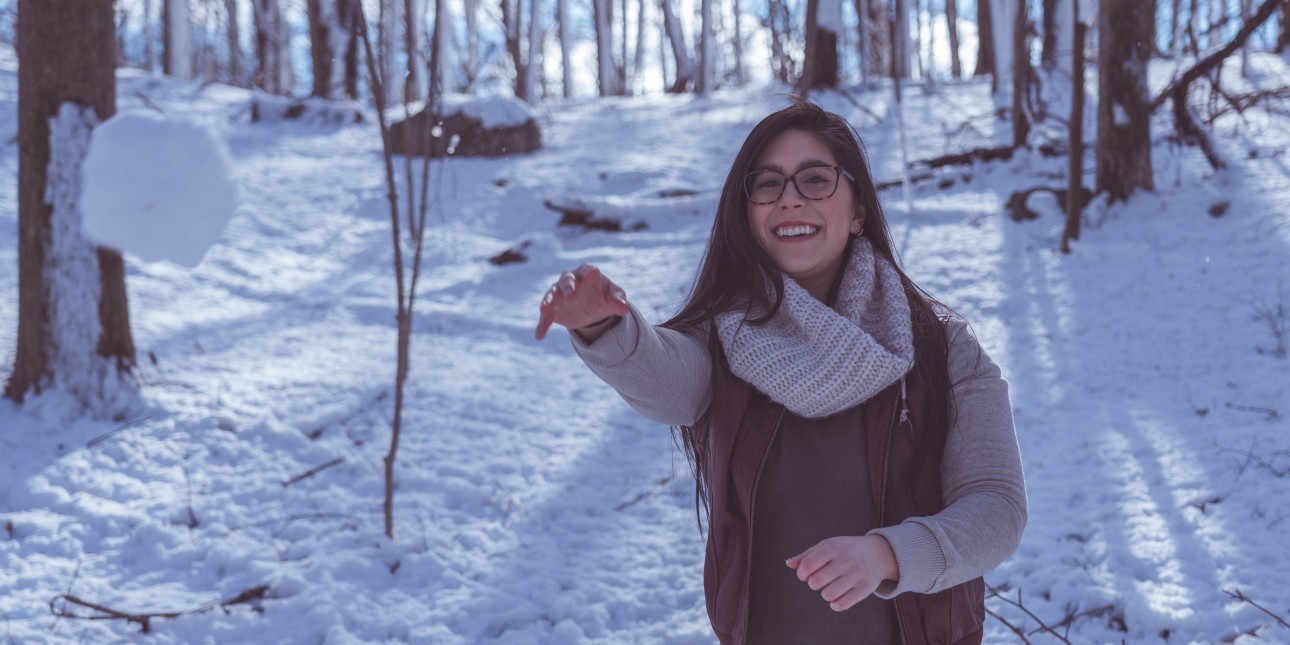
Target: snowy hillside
{"points": [[533, 505]]}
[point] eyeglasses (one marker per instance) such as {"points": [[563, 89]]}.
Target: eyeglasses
{"points": [[816, 182]]}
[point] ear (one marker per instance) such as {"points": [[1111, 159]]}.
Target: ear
{"points": [[857, 222]]}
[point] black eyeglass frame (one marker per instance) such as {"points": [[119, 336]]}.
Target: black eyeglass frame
{"points": [[839, 171]]}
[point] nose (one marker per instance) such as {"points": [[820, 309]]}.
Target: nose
{"points": [[791, 199]]}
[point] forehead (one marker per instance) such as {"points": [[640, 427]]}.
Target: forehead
{"points": [[792, 148]]}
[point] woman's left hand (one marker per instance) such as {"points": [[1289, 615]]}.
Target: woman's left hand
{"points": [[845, 570]]}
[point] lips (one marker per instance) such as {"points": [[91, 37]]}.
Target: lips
{"points": [[795, 230]]}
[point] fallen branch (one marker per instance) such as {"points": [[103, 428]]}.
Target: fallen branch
{"points": [[313, 471], [1238, 595], [145, 619], [1251, 408], [967, 158]]}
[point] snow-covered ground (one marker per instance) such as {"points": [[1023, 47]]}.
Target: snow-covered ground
{"points": [[533, 505]]}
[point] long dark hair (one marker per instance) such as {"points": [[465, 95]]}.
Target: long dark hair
{"points": [[738, 274]]}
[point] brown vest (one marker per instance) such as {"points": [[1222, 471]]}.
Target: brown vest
{"points": [[735, 434]]}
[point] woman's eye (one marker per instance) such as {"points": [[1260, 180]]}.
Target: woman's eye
{"points": [[770, 183], [815, 178]]}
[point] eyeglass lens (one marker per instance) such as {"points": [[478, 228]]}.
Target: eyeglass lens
{"points": [[818, 182]]}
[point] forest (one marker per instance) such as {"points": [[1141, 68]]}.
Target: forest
{"points": [[271, 271]]}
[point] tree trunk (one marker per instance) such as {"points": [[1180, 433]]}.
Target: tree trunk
{"points": [[1075, 168], [73, 319], [952, 22], [1003, 15], [149, 48], [676, 36], [1048, 56], [387, 43], [414, 44], [566, 47], [177, 60], [828, 19], [1283, 33], [1174, 25], [900, 44], [1127, 31], [706, 50], [916, 45], [777, 11], [234, 44], [534, 62], [511, 31], [1020, 77], [807, 80], [623, 80], [271, 48], [638, 61], [606, 75], [741, 76], [985, 63], [877, 36]]}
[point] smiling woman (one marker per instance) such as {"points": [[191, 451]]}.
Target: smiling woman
{"points": [[852, 445]]}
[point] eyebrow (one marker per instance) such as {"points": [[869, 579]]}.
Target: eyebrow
{"points": [[809, 163]]}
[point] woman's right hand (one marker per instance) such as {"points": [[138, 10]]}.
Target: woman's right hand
{"points": [[581, 298]]}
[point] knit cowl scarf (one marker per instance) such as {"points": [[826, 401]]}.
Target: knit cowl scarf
{"points": [[816, 360]]}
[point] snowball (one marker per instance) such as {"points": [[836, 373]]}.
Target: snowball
{"points": [[158, 188]]}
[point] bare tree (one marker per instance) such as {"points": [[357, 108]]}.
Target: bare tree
{"points": [[875, 34], [985, 62], [680, 52], [73, 319], [1020, 77], [1283, 31], [235, 71], [1075, 168], [707, 54], [534, 62], [741, 76], [272, 48], [1125, 43], [414, 88], [952, 17], [607, 75], [177, 59], [820, 65], [566, 46], [330, 37], [471, 8], [149, 47]]}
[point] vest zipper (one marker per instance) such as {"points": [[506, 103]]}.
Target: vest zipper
{"points": [[882, 507], [752, 514]]}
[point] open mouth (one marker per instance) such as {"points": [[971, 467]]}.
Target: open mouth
{"points": [[796, 230]]}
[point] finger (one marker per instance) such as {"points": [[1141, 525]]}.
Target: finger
{"points": [[836, 589], [824, 577], [848, 600], [811, 561], [618, 300], [546, 315], [567, 283], [794, 561]]}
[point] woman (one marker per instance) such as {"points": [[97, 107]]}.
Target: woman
{"points": [[852, 444]]}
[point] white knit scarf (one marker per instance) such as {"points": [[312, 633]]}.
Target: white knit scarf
{"points": [[817, 361]]}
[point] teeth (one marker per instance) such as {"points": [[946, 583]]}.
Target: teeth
{"points": [[794, 231]]}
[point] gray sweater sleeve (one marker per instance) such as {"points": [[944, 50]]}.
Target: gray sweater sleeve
{"points": [[984, 492], [664, 374]]}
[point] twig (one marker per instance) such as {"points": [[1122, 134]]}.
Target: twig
{"points": [[1250, 408], [145, 620], [111, 433], [313, 471], [1016, 630], [1244, 598], [1018, 604], [646, 493]]}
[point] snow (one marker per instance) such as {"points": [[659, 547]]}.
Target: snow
{"points": [[491, 111], [534, 506], [158, 188]]}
